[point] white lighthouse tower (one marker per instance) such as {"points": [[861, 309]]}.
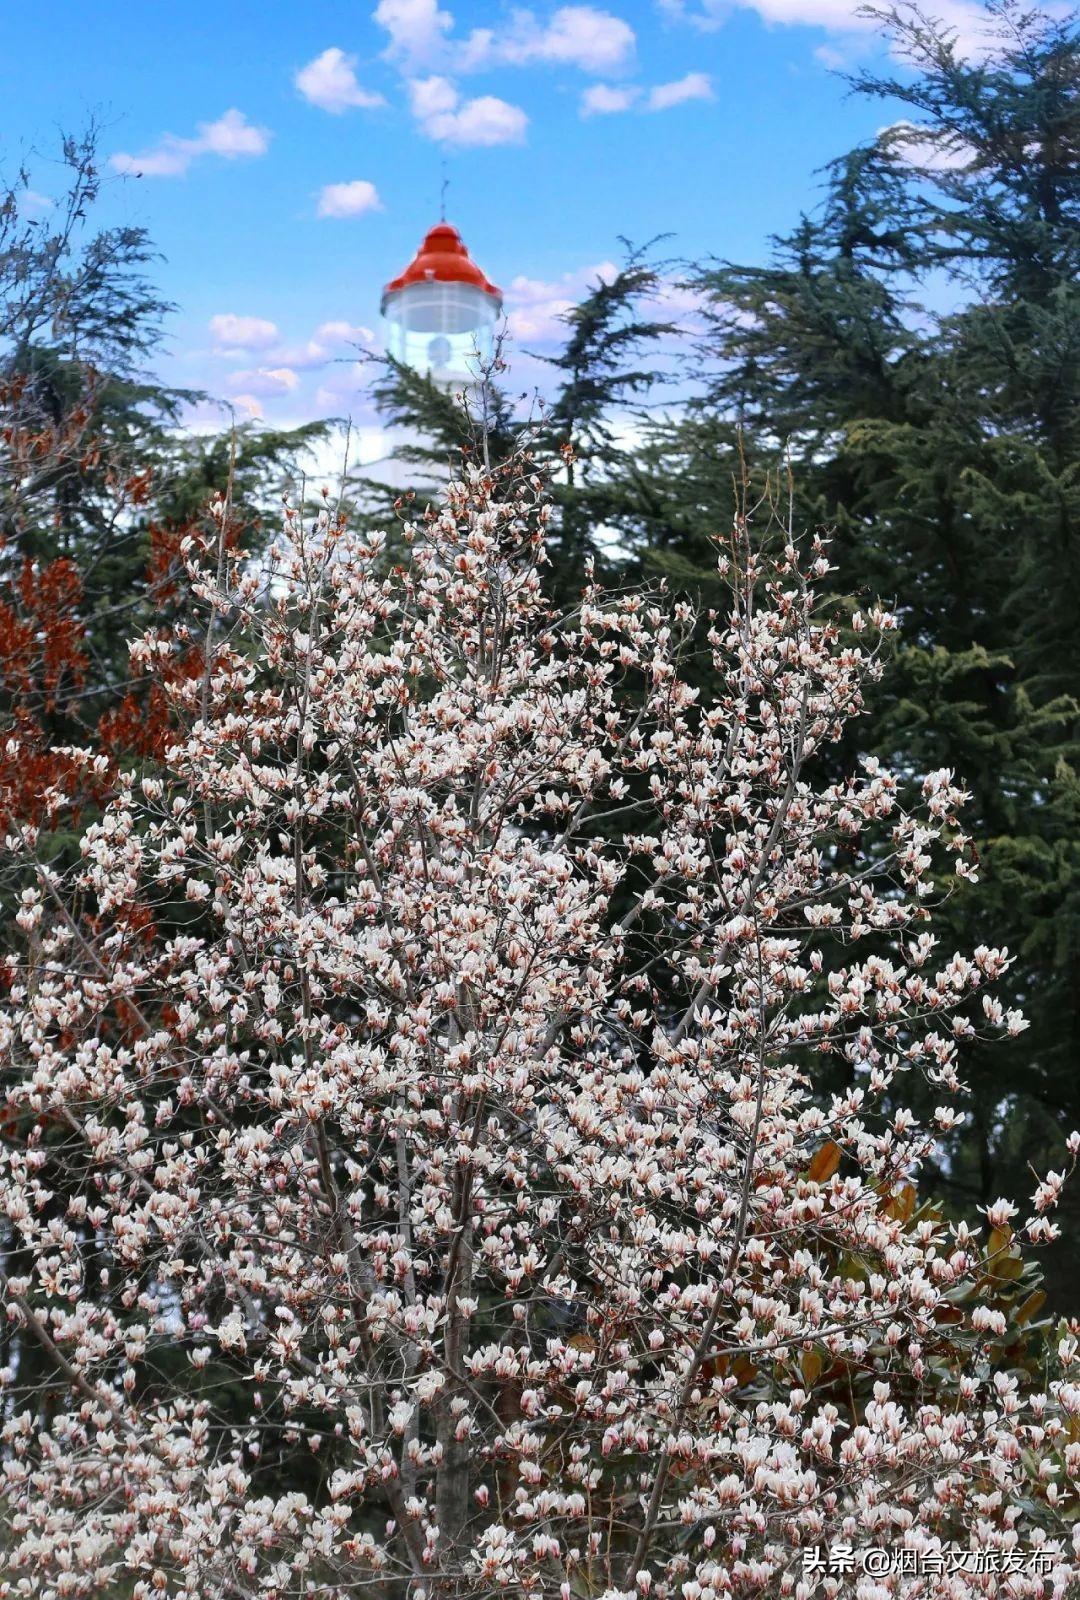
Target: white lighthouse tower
{"points": [[440, 313]]}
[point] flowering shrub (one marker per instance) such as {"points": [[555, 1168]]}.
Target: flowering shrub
{"points": [[415, 1089]]}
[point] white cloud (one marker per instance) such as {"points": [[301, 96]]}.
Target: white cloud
{"points": [[263, 382], [540, 324], [579, 36], [576, 35], [593, 40], [442, 115], [329, 82], [347, 395], [328, 338], [821, 13], [528, 291], [968, 20], [487, 120], [331, 341], [431, 97], [919, 147], [230, 136], [348, 199], [676, 299], [695, 86], [535, 307], [33, 204], [417, 30], [250, 404], [707, 15], [243, 333], [344, 333], [831, 57], [284, 376], [602, 99], [842, 14]]}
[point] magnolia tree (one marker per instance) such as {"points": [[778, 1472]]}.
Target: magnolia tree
{"points": [[417, 1174]]}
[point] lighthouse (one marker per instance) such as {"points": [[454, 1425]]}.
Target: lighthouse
{"points": [[439, 315]]}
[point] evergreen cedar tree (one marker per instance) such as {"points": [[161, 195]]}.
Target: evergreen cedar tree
{"points": [[98, 485], [940, 450], [415, 1178]]}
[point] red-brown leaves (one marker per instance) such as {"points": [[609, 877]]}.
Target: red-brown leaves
{"points": [[41, 634], [142, 723], [42, 661], [165, 565]]}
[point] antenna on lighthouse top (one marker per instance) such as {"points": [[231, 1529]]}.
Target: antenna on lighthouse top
{"points": [[442, 194]]}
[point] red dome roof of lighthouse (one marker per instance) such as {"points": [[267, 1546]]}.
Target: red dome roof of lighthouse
{"points": [[442, 257]]}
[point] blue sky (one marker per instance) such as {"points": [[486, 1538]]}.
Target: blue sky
{"points": [[286, 159]]}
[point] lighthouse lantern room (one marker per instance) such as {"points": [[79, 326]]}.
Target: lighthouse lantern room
{"points": [[440, 313]]}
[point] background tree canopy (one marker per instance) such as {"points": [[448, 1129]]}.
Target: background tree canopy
{"points": [[909, 353], [100, 482], [905, 366]]}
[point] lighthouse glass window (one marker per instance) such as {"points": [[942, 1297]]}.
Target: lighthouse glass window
{"points": [[441, 327]]}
